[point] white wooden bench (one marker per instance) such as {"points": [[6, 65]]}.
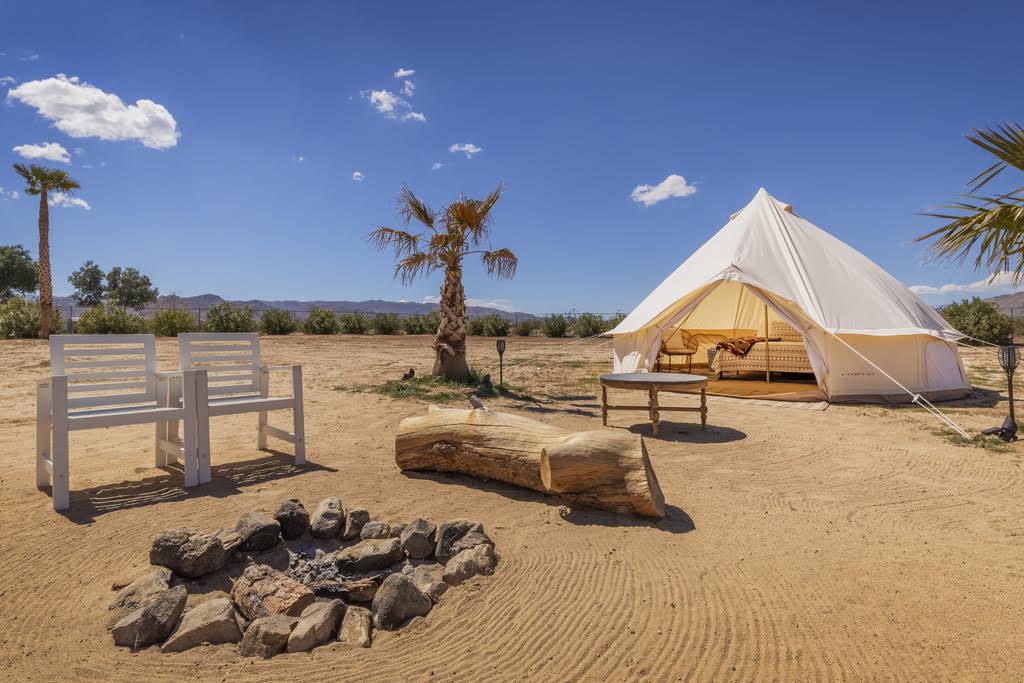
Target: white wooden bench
{"points": [[234, 382], [111, 381]]}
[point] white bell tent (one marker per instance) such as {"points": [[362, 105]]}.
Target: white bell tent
{"points": [[868, 338]]}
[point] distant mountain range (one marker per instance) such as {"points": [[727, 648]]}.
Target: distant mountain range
{"points": [[1007, 302], [205, 301]]}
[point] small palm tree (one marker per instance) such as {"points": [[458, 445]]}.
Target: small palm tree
{"points": [[458, 231], [41, 181], [991, 223]]}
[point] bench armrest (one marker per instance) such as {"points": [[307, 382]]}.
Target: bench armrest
{"points": [[281, 368]]}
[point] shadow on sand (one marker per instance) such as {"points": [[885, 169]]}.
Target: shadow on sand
{"points": [[676, 521], [228, 479], [688, 432]]}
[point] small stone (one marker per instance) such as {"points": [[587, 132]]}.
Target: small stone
{"points": [[360, 590], [293, 518], [259, 531], [354, 522], [187, 552], [262, 591], [138, 591], [419, 539], [152, 622], [318, 624], [229, 538], [477, 560], [397, 601], [429, 578], [327, 518], [213, 621], [375, 530], [370, 555], [267, 636], [356, 627], [457, 535]]}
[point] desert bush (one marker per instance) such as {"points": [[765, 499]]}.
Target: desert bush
{"points": [[555, 325], [979, 319], [386, 323], [475, 327], [524, 328], [614, 321], [354, 323], [588, 325], [172, 322], [321, 321], [496, 326], [277, 321], [224, 317], [19, 318], [110, 319], [422, 324]]}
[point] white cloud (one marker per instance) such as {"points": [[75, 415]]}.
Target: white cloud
{"points": [[672, 186], [61, 199], [408, 88], [82, 110], [86, 165], [414, 116], [437, 166], [467, 147], [499, 304], [997, 282], [358, 176], [7, 80], [8, 194], [393, 105], [404, 73], [298, 158], [385, 101], [78, 151], [51, 151]]}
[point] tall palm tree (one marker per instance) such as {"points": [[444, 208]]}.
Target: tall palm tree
{"points": [[42, 181], [992, 223], [458, 231]]}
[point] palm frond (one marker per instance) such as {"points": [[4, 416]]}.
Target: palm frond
{"points": [[994, 226], [403, 243], [412, 207], [413, 266], [501, 263], [1005, 143], [472, 216]]}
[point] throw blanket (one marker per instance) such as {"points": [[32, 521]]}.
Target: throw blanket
{"points": [[740, 346]]}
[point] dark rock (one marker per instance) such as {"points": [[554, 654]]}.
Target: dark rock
{"points": [[259, 531], [293, 518], [152, 622], [355, 519], [419, 537], [267, 636], [397, 601], [375, 530], [213, 621], [318, 624], [457, 535], [261, 591], [370, 555], [327, 518], [187, 552], [356, 627], [479, 559]]}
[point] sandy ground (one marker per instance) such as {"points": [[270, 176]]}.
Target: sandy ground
{"points": [[853, 543]]}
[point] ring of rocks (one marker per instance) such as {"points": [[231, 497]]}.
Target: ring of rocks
{"points": [[292, 581]]}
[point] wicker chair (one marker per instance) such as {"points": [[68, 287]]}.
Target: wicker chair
{"points": [[682, 344]]}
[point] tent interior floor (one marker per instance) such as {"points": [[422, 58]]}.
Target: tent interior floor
{"points": [[785, 386]]}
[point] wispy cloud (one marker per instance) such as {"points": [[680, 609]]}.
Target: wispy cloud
{"points": [[50, 151], [394, 105], [8, 194], [298, 158], [67, 201], [408, 88], [437, 166], [7, 80], [404, 73], [358, 176], [385, 101], [672, 186], [82, 110], [467, 148], [414, 116], [498, 304], [999, 282], [78, 151]]}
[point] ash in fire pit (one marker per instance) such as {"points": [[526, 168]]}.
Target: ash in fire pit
{"points": [[339, 576]]}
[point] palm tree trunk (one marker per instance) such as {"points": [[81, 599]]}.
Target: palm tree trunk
{"points": [[450, 342], [45, 277]]}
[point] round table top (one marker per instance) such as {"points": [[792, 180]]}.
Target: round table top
{"points": [[649, 379]]}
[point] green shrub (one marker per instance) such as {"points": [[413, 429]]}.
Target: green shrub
{"points": [[19, 318], [589, 325], [422, 324], [321, 321], [555, 325], [109, 319], [524, 328], [475, 327], [277, 321], [354, 323], [614, 321], [496, 326], [172, 322], [979, 319], [224, 317], [386, 323]]}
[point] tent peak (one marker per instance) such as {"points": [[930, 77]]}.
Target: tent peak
{"points": [[762, 195]]}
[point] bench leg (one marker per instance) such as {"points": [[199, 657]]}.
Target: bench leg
{"points": [[43, 421], [163, 399], [298, 416], [261, 422], [203, 427], [59, 446], [192, 436]]}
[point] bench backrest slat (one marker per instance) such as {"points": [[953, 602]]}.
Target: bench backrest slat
{"points": [[105, 369], [231, 360]]}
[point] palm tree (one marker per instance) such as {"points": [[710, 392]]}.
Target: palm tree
{"points": [[42, 181], [991, 223], [458, 231]]}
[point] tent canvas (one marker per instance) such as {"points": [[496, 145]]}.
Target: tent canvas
{"points": [[845, 306]]}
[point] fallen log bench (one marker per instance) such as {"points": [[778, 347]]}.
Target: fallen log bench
{"points": [[602, 469]]}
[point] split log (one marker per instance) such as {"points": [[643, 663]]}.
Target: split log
{"points": [[602, 469]]}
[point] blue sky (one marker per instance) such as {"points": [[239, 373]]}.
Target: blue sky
{"points": [[238, 178]]}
